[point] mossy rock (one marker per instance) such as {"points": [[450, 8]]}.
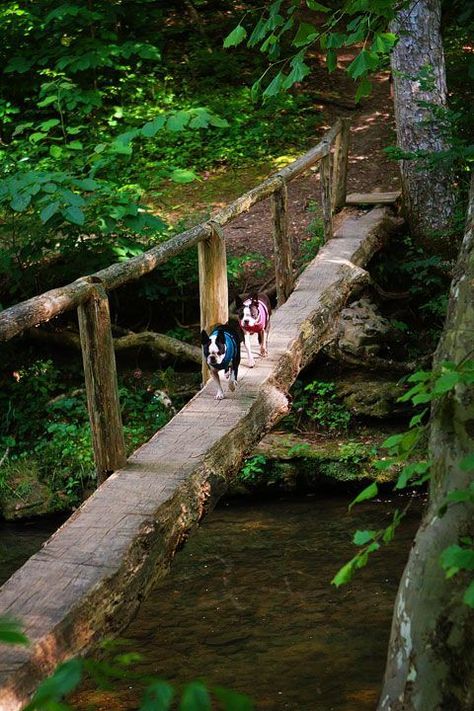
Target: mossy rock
{"points": [[376, 398], [290, 463]]}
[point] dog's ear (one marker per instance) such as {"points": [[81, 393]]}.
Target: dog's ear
{"points": [[238, 302], [204, 338], [254, 298], [220, 338]]}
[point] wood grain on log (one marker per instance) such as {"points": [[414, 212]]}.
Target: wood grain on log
{"points": [[282, 248], [101, 383]]}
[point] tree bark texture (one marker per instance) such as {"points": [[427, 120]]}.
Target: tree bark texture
{"points": [[326, 196], [428, 192], [213, 289], [282, 247], [101, 384], [430, 664]]}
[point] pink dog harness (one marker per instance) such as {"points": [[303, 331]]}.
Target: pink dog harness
{"points": [[261, 323]]}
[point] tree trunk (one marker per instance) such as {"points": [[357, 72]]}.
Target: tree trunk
{"points": [[430, 662], [419, 81]]}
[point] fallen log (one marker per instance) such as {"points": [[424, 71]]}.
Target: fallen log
{"points": [[157, 343]]}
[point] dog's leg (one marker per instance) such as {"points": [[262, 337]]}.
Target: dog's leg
{"points": [[262, 338], [215, 377], [251, 361], [233, 379]]}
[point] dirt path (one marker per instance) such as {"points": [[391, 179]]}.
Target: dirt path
{"points": [[369, 168]]}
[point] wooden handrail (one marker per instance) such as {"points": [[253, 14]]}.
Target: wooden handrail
{"points": [[88, 294], [15, 319]]}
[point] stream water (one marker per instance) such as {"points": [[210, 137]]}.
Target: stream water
{"points": [[248, 606]]}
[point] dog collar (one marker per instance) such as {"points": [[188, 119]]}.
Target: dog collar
{"points": [[230, 351]]}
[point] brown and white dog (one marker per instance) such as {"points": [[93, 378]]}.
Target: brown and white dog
{"points": [[254, 317]]}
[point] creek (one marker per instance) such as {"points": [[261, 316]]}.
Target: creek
{"points": [[248, 605]]}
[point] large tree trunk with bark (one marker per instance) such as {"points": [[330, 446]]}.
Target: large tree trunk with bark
{"points": [[430, 664], [428, 192]]}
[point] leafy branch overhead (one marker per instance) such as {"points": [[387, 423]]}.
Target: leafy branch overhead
{"points": [[286, 38]]}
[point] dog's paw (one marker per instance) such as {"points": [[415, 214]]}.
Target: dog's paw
{"points": [[263, 352], [232, 385], [219, 396]]}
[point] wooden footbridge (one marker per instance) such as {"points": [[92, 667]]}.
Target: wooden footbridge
{"points": [[89, 578]]}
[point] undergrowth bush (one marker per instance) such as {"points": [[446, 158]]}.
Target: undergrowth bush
{"points": [[45, 425], [316, 405]]}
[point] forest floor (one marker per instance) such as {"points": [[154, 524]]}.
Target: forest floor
{"points": [[370, 169]]}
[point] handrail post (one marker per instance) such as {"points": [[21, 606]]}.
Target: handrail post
{"points": [[282, 247], [326, 195], [213, 288], [340, 165], [101, 383]]}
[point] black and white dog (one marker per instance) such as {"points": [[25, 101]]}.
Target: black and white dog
{"points": [[254, 317], [221, 350]]}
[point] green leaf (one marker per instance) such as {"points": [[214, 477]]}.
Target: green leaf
{"points": [[152, 127], [317, 6], [456, 558], [364, 89], [331, 60], [48, 211], [37, 137], [344, 574], [20, 202], [368, 493], [446, 382], [46, 125], [275, 86], [409, 471], [237, 36], [364, 62], [75, 146], [178, 121], [468, 597], [11, 632], [182, 175], [55, 151], [298, 72], [467, 463], [158, 697], [383, 42], [363, 537], [74, 214], [305, 34], [259, 32], [64, 680], [195, 698]]}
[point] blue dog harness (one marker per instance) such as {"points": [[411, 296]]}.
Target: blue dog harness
{"points": [[231, 349]]}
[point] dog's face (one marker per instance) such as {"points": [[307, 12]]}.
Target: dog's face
{"points": [[248, 313], [213, 347]]}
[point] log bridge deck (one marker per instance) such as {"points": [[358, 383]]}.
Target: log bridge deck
{"points": [[90, 576]]}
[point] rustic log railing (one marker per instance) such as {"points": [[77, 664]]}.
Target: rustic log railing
{"points": [[88, 294]]}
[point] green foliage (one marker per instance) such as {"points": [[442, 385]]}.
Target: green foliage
{"points": [[404, 450], [44, 419], [286, 39], [317, 404], [253, 469], [158, 695], [315, 240]]}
